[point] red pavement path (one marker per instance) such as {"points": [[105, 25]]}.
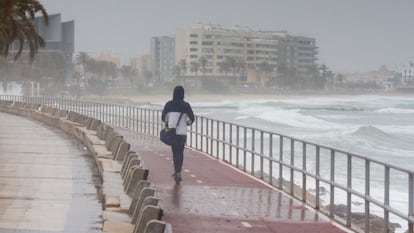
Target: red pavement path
{"points": [[214, 197]]}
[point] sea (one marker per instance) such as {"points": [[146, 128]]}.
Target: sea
{"points": [[374, 126]]}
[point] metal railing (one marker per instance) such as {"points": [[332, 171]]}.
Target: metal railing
{"points": [[312, 173]]}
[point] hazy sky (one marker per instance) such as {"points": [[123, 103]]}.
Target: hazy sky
{"points": [[352, 35]]}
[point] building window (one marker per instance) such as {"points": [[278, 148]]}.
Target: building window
{"points": [[193, 42], [193, 49], [207, 43], [193, 35], [193, 56]]}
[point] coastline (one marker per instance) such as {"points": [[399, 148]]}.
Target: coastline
{"points": [[150, 98]]}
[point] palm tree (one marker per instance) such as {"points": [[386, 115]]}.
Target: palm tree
{"points": [[282, 71], [126, 72], [224, 67], [194, 68], [203, 64], [177, 71], [83, 58], [323, 75], [16, 24], [183, 65], [241, 66], [267, 69]]}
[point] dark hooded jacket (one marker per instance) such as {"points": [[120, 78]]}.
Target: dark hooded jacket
{"points": [[174, 108]]}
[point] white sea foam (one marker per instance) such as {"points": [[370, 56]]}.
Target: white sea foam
{"points": [[395, 111], [294, 117]]}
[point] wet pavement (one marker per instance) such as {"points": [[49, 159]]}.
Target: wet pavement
{"points": [[48, 182], [214, 197]]}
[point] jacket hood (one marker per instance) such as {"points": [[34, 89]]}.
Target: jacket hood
{"points": [[178, 93]]}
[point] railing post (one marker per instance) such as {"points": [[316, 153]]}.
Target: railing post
{"points": [[348, 193], [367, 194], [292, 163], [244, 146], [332, 187], [261, 155], [410, 201], [153, 123], [303, 173], [280, 162], [202, 133], [271, 159], [224, 141], [317, 165], [386, 197], [134, 118], [253, 150], [238, 145], [231, 144], [207, 135], [196, 135], [211, 136], [217, 138]]}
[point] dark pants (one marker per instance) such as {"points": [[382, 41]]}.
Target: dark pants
{"points": [[178, 152]]}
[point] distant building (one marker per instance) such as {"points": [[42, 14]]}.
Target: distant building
{"points": [[297, 53], [162, 57], [141, 67], [407, 73], [59, 37], [249, 49]]}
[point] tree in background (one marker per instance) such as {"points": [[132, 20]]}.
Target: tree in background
{"points": [[203, 65], [82, 58], [183, 67], [267, 68], [16, 25]]}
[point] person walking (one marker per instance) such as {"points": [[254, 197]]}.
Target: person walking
{"points": [[177, 110]]}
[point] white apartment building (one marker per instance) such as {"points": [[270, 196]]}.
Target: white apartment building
{"points": [[162, 57], [249, 48], [407, 73]]}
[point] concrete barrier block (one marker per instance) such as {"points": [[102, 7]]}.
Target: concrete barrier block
{"points": [[111, 139], [115, 143], [155, 226], [149, 213], [94, 124], [100, 131], [146, 198], [137, 192], [130, 155], [132, 162], [122, 150], [136, 174], [107, 132], [67, 126]]}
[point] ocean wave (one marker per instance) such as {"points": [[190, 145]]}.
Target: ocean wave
{"points": [[370, 131], [294, 117], [395, 110]]}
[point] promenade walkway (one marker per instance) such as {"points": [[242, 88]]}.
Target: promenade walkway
{"points": [[214, 197], [47, 180], [47, 185]]}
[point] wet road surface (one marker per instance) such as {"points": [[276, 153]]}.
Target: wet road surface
{"points": [[47, 181]]}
